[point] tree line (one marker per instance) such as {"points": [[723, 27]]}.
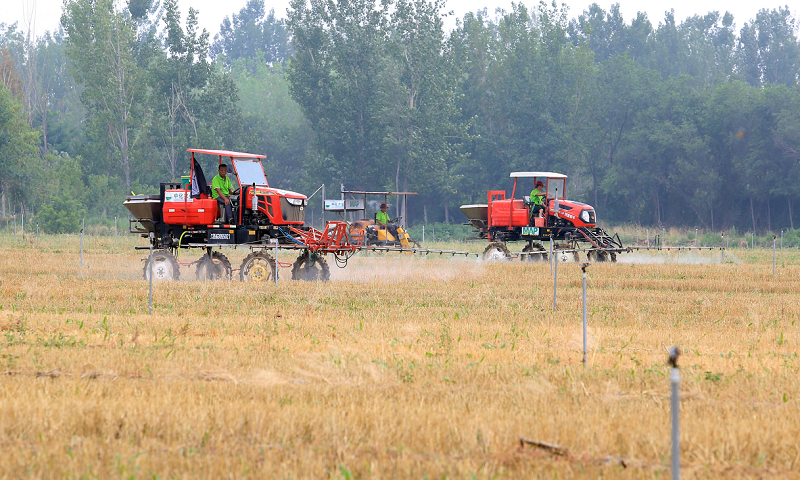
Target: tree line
{"points": [[687, 123]]}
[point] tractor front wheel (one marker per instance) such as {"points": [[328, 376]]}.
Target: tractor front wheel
{"points": [[215, 267], [598, 256], [496, 251], [164, 267], [311, 267], [258, 267], [536, 257]]}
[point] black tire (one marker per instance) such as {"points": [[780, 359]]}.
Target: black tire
{"points": [[598, 256], [311, 267], [214, 268], [536, 247], [565, 256], [496, 251], [258, 267], [165, 267]]}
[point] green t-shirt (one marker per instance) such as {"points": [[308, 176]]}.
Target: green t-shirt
{"points": [[536, 199], [224, 185], [382, 218]]}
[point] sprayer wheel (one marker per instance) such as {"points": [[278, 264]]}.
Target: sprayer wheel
{"points": [[597, 256], [311, 267], [258, 267], [536, 247], [560, 250], [165, 267], [496, 251], [613, 257], [213, 268]]}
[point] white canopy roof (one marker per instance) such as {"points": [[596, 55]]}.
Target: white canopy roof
{"points": [[537, 174]]}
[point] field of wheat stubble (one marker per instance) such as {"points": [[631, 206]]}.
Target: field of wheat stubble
{"points": [[400, 367]]}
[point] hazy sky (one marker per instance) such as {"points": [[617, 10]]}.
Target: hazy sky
{"points": [[47, 12]]}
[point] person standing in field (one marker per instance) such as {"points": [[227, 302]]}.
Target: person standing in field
{"points": [[536, 199], [222, 187]]}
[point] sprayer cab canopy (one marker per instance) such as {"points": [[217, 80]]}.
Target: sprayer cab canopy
{"points": [[246, 168], [555, 183]]}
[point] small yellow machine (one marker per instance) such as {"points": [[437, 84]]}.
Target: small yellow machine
{"points": [[368, 233], [382, 235]]}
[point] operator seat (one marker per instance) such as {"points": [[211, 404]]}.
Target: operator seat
{"points": [[200, 186]]}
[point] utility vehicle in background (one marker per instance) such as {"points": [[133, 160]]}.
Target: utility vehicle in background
{"points": [[570, 225]]}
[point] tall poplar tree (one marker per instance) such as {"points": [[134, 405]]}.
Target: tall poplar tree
{"points": [[99, 43]]}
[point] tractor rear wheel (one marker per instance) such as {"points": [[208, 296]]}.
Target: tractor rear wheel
{"points": [[496, 251], [536, 247], [215, 267], [258, 267], [311, 267], [164, 268], [564, 256]]}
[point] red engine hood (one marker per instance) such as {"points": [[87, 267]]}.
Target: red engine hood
{"points": [[571, 210]]}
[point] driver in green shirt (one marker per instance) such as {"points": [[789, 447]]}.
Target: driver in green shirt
{"points": [[382, 219], [536, 199], [221, 189]]}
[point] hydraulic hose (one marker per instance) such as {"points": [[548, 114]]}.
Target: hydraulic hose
{"points": [[289, 237], [180, 239]]}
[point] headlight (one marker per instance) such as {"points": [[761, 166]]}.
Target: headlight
{"points": [[294, 201], [585, 216]]}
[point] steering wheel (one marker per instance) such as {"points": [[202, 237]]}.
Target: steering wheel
{"points": [[395, 220]]}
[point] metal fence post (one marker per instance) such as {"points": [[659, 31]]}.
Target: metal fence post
{"points": [[555, 283], [22, 230], [583, 269], [648, 237], [663, 235], [150, 274], [723, 249], [276, 261], [423, 234], [752, 239], [115, 229], [37, 235], [781, 240], [773, 255], [83, 226], [695, 237], [675, 380]]}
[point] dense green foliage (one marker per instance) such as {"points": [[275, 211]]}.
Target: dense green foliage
{"points": [[692, 123]]}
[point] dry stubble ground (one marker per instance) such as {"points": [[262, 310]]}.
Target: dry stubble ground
{"points": [[399, 368]]}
